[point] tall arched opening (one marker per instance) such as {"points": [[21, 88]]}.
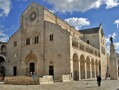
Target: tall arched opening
{"points": [[3, 49], [31, 61], [75, 67], [93, 70], [82, 67], [96, 63], [99, 68], [88, 67], [2, 66]]}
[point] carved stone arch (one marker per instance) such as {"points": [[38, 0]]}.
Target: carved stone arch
{"points": [[31, 63], [83, 55], [75, 56], [88, 59], [30, 57]]}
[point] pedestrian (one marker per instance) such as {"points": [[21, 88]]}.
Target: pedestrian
{"points": [[99, 80], [33, 75]]}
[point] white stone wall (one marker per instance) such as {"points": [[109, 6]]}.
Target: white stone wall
{"points": [[94, 42], [58, 50], [13, 53]]}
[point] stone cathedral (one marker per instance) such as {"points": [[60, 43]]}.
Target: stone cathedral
{"points": [[47, 45]]}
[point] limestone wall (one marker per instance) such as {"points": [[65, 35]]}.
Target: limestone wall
{"points": [[31, 29], [13, 53], [50, 17], [57, 51], [94, 42]]}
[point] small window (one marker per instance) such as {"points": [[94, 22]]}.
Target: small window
{"points": [[28, 41], [88, 41], [51, 37], [36, 39], [15, 43]]}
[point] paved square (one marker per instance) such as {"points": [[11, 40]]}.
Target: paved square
{"points": [[73, 85]]}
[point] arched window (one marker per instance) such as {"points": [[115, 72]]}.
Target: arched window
{"points": [[3, 49]]}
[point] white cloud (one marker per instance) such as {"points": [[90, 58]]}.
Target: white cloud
{"points": [[81, 5], [52, 11], [111, 3], [4, 39], [116, 44], [5, 6], [113, 35], [117, 23], [78, 22], [3, 36]]}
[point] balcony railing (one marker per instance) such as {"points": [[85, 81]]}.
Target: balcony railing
{"points": [[85, 47]]}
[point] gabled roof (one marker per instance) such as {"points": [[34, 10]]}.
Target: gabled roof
{"points": [[90, 30]]}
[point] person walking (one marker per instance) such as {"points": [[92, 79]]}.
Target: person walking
{"points": [[99, 80]]}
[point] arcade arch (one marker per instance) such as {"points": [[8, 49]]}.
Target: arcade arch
{"points": [[88, 67], [92, 66], [82, 67], [75, 67]]}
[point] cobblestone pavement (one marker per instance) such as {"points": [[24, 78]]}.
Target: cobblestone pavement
{"points": [[73, 85]]}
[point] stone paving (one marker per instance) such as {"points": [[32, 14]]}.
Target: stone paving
{"points": [[73, 85]]}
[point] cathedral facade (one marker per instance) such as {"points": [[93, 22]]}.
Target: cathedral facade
{"points": [[47, 45]]}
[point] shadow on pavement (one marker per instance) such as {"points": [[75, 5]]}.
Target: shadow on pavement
{"points": [[117, 89]]}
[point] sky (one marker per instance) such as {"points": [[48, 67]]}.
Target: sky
{"points": [[80, 14]]}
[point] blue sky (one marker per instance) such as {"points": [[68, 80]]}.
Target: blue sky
{"points": [[78, 13]]}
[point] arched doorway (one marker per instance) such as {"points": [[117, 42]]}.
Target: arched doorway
{"points": [[99, 68], [75, 67], [88, 67], [31, 67], [2, 66], [93, 70], [82, 67], [31, 61]]}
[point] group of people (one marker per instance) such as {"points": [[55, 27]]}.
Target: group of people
{"points": [[33, 75]]}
